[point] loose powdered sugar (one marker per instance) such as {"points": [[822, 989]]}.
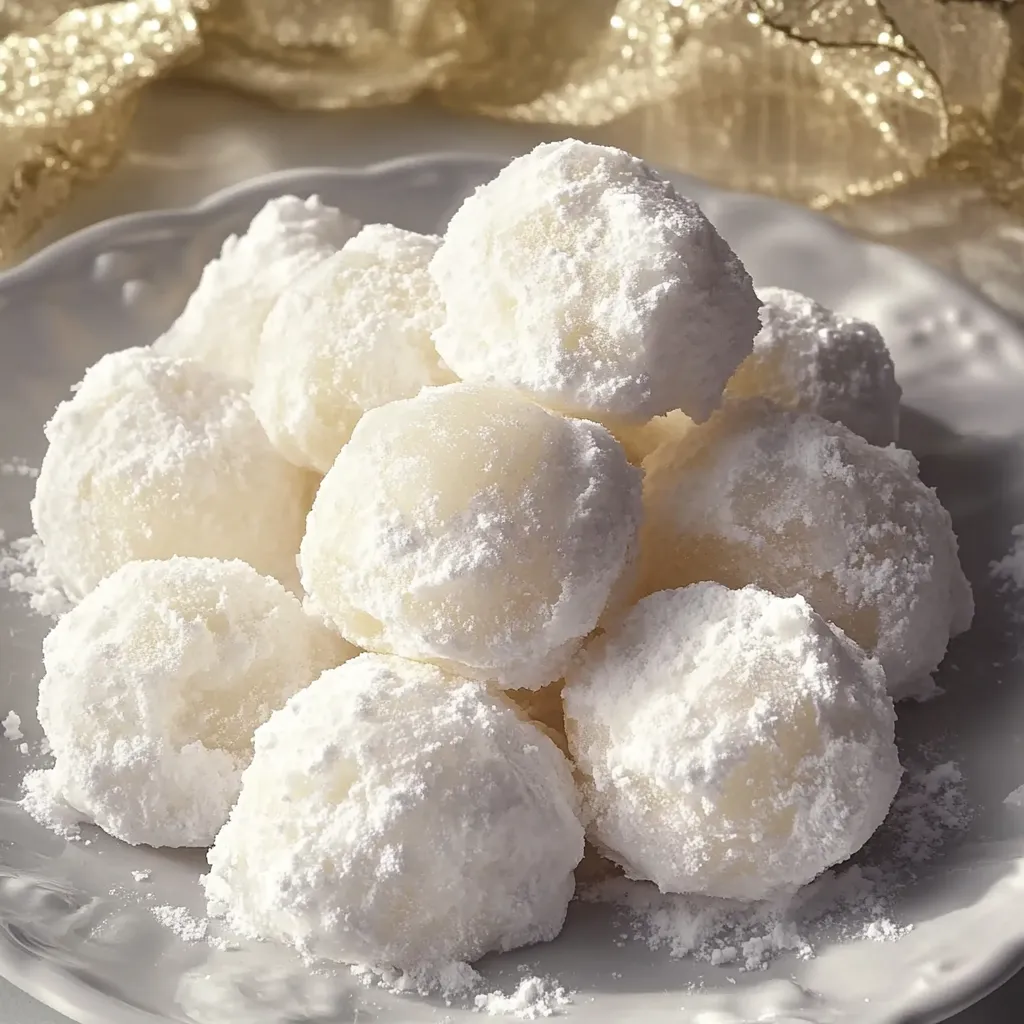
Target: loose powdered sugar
{"points": [[852, 902], [181, 922], [12, 726], [535, 997], [17, 467], [1010, 568], [24, 569]]}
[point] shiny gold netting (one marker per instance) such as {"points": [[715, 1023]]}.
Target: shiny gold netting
{"points": [[820, 101]]}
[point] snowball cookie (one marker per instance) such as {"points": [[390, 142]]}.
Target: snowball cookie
{"points": [[730, 742], [807, 357], [582, 278], [799, 505], [471, 528], [222, 320], [154, 457], [393, 815], [351, 333], [155, 684]]}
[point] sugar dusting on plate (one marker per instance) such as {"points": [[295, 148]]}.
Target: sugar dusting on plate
{"points": [[18, 467], [533, 998], [181, 922], [23, 570], [1009, 570], [854, 901]]}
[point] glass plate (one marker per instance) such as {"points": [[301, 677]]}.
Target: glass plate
{"points": [[77, 930]]}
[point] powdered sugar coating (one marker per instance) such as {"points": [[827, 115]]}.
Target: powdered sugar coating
{"points": [[471, 528], [222, 320], [798, 505], [154, 457], [581, 277], [349, 334], [393, 815], [730, 742], [809, 358], [155, 684]]}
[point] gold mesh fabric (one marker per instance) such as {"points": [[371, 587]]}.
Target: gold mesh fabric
{"points": [[821, 101]]}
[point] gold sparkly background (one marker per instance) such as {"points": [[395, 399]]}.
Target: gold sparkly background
{"points": [[840, 104]]}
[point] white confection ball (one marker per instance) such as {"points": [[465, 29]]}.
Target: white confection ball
{"points": [[582, 278], [154, 457], [798, 505], [730, 742], [154, 687], [351, 333], [393, 815], [471, 528], [807, 357], [222, 320]]}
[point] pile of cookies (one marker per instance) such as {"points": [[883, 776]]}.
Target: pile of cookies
{"points": [[405, 564]]}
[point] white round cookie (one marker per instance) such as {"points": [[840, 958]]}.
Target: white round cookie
{"points": [[349, 334], [154, 687], [393, 815], [154, 457], [797, 505], [222, 320], [809, 358], [473, 529], [582, 278], [730, 742]]}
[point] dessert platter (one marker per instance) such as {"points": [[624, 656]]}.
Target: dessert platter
{"points": [[451, 589]]}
